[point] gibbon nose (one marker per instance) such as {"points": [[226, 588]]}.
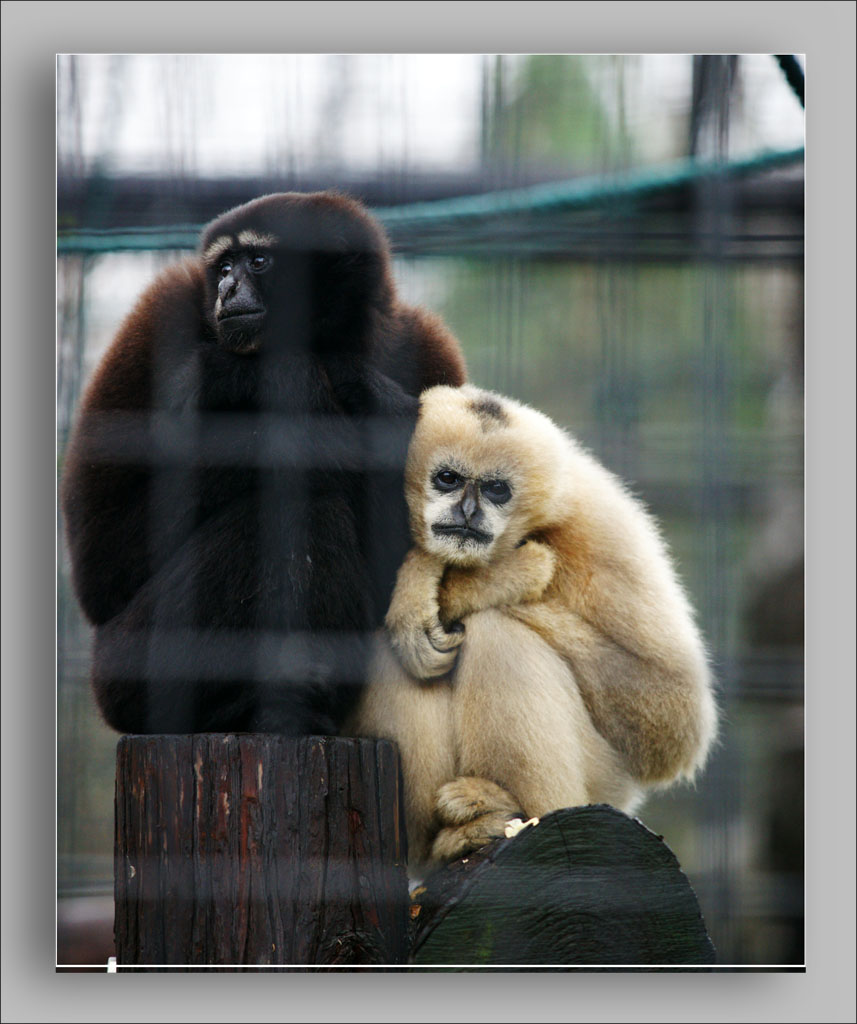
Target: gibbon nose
{"points": [[470, 502], [228, 286]]}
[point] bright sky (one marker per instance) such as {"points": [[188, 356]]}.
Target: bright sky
{"points": [[232, 113], [255, 114]]}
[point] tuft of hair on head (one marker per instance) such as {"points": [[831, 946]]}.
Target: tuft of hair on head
{"points": [[490, 412]]}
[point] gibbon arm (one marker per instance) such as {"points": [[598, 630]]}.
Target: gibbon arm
{"points": [[425, 649], [520, 577], [431, 598]]}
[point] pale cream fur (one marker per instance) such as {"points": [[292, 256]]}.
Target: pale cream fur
{"points": [[579, 676]]}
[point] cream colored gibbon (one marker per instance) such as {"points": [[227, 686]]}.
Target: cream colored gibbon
{"points": [[539, 651]]}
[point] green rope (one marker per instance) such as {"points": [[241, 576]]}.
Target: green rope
{"points": [[94, 241], [577, 194], [581, 193]]}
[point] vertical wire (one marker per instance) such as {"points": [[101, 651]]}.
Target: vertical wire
{"points": [[608, 286], [510, 278], [72, 633], [515, 311], [721, 807]]}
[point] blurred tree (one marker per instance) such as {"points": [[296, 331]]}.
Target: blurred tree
{"points": [[546, 108]]}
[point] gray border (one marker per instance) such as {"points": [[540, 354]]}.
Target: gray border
{"points": [[32, 32]]}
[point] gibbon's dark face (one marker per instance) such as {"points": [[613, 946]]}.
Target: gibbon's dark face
{"points": [[243, 300], [468, 510], [294, 273]]}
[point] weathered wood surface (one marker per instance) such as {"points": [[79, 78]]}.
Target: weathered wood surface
{"points": [[588, 886], [258, 849]]}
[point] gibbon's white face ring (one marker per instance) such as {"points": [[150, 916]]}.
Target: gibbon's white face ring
{"points": [[460, 543]]}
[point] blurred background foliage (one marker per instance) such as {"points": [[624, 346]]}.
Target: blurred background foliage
{"points": [[667, 334]]}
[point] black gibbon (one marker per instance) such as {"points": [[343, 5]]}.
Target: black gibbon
{"points": [[539, 652], [233, 488]]}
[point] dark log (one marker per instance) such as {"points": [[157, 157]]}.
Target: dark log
{"points": [[251, 849], [586, 887]]}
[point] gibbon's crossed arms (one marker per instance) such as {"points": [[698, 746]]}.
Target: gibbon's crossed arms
{"points": [[233, 490], [539, 651]]}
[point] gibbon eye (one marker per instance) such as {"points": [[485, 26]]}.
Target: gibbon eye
{"points": [[497, 491], [258, 263], [447, 480], [225, 268]]}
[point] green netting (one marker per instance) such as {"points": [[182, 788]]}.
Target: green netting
{"points": [[577, 194]]}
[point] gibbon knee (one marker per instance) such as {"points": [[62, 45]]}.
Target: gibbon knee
{"points": [[520, 720]]}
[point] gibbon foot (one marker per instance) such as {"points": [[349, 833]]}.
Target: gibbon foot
{"points": [[452, 843], [474, 811], [469, 797]]}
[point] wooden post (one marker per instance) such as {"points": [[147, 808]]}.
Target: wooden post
{"points": [[586, 887], [256, 849]]}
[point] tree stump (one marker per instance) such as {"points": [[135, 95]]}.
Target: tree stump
{"points": [[587, 887], [252, 849]]}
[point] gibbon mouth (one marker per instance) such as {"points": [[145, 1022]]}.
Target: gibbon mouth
{"points": [[463, 533], [249, 315]]}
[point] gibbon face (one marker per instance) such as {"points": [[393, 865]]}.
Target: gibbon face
{"points": [[467, 509], [236, 267], [299, 272], [487, 480]]}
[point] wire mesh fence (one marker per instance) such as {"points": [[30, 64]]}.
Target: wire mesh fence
{"points": [[647, 295]]}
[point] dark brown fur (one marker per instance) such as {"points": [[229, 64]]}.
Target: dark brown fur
{"points": [[201, 540]]}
